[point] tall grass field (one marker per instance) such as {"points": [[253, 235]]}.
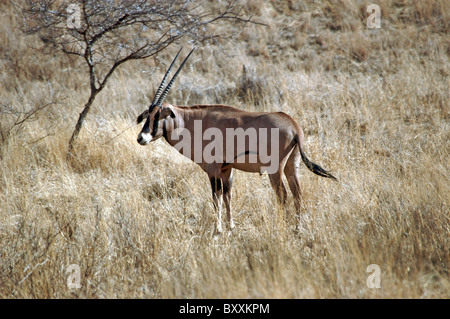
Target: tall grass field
{"points": [[118, 220]]}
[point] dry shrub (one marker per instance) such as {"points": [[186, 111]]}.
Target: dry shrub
{"points": [[251, 87]]}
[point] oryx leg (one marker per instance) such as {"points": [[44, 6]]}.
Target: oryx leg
{"points": [[217, 190], [291, 172], [278, 186], [227, 180]]}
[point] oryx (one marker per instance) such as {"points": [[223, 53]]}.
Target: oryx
{"points": [[267, 132]]}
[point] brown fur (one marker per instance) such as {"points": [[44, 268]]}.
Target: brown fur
{"points": [[290, 145]]}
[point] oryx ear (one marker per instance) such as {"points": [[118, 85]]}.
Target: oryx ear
{"points": [[142, 117], [167, 111]]}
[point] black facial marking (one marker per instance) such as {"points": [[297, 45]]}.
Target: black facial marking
{"points": [[146, 128], [155, 123]]}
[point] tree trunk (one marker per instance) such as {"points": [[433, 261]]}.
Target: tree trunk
{"points": [[80, 121]]}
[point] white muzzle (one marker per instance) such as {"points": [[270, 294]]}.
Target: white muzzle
{"points": [[144, 138]]}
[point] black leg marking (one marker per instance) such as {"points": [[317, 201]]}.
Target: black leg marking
{"points": [[227, 186], [216, 184]]}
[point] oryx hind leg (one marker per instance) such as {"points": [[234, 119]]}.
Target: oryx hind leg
{"points": [[292, 176], [276, 180], [278, 186]]}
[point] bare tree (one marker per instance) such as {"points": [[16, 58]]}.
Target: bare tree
{"points": [[106, 34]]}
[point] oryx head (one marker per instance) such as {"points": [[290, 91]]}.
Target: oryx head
{"points": [[155, 113]]}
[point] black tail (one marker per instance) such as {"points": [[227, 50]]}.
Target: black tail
{"points": [[316, 169]]}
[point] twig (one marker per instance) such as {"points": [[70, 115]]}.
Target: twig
{"points": [[126, 129]]}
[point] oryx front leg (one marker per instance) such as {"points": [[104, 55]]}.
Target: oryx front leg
{"points": [[227, 179], [217, 190]]}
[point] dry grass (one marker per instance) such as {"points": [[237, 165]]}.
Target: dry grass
{"points": [[138, 221]]}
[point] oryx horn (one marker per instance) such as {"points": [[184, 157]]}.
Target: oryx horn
{"points": [[161, 86], [167, 89]]}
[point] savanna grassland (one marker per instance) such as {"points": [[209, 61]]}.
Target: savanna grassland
{"points": [[139, 221]]}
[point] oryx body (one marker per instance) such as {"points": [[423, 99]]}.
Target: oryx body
{"points": [[231, 139]]}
